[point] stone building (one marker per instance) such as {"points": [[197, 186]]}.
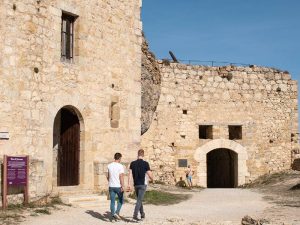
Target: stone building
{"points": [[78, 84], [231, 124], [70, 88]]}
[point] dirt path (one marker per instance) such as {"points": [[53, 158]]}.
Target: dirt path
{"points": [[210, 206]]}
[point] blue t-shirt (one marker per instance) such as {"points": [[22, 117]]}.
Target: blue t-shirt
{"points": [[139, 168]]}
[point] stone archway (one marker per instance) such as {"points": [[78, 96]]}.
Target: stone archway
{"points": [[201, 157], [67, 147], [222, 168]]}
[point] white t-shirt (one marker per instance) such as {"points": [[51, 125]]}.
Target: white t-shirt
{"points": [[114, 171]]}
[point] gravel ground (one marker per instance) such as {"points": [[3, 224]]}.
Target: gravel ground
{"points": [[209, 206]]}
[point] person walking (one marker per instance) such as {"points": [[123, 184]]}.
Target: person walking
{"points": [[138, 170], [115, 177], [189, 174]]}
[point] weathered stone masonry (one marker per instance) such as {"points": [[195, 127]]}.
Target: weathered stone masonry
{"points": [[151, 86], [262, 101], [117, 91], [36, 84]]}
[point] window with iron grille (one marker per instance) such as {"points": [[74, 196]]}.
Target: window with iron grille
{"points": [[67, 36]]}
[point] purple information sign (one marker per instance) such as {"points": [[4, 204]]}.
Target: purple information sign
{"points": [[16, 170]]}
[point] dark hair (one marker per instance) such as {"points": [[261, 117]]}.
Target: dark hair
{"points": [[118, 156], [141, 152]]}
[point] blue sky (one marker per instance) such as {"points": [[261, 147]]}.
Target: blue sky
{"points": [[260, 32]]}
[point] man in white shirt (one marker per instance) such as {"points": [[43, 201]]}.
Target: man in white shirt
{"points": [[115, 177]]}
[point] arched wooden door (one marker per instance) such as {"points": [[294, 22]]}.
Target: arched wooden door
{"points": [[69, 150], [222, 169]]}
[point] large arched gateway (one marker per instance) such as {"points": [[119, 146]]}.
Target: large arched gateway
{"points": [[66, 146], [222, 164], [222, 168]]}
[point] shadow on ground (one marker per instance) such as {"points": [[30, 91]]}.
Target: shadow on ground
{"points": [[106, 216]]}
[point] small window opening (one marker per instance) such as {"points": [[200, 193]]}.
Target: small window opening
{"points": [[184, 111], [114, 112], [67, 36], [182, 163], [205, 132], [235, 132], [182, 136]]}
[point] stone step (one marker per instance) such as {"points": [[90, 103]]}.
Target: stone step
{"points": [[71, 191], [85, 200], [93, 204]]}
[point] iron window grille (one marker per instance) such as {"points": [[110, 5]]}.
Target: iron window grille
{"points": [[67, 36]]}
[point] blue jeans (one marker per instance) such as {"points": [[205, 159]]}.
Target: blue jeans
{"points": [[113, 191], [140, 192]]}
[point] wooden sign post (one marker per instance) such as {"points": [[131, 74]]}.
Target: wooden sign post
{"points": [[15, 173]]}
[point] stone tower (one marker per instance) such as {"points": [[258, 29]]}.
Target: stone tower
{"points": [[70, 88]]}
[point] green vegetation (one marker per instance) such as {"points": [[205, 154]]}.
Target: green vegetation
{"points": [[10, 218], [162, 198], [43, 211], [13, 214]]}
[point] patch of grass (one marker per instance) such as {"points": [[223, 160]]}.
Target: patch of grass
{"points": [[15, 207], [162, 198], [43, 211], [13, 214], [5, 215], [56, 201], [9, 218]]}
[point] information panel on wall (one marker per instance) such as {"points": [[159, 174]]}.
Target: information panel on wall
{"points": [[15, 174], [17, 171]]}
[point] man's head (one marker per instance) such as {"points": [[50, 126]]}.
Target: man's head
{"points": [[141, 153], [189, 166], [118, 156]]}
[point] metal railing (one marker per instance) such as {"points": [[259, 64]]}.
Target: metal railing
{"points": [[209, 62]]}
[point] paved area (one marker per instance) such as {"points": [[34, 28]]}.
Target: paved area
{"points": [[209, 206]]}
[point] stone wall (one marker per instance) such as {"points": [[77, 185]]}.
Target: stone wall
{"points": [[151, 86], [263, 101], [36, 83]]}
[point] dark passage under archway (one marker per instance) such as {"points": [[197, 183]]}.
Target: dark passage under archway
{"points": [[222, 168], [69, 148]]}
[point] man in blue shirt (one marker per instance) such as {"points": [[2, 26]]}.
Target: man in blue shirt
{"points": [[138, 170]]}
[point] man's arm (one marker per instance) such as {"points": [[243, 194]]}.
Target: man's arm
{"points": [[150, 175], [121, 177], [129, 178]]}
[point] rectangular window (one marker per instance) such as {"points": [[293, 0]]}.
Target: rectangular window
{"points": [[235, 132], [205, 132], [67, 36], [182, 163]]}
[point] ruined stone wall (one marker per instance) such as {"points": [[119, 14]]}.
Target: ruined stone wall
{"points": [[261, 100], [151, 86], [36, 83]]}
